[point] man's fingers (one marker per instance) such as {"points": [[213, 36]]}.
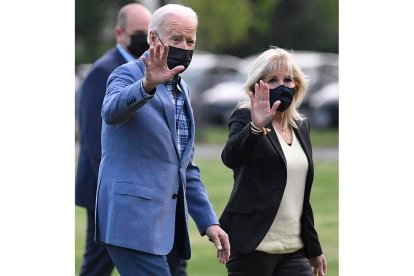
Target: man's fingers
{"points": [[151, 54], [164, 53], [178, 69], [144, 59], [225, 252], [157, 51], [221, 241], [223, 256], [216, 242]]}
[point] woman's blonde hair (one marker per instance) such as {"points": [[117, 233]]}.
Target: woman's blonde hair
{"points": [[272, 60]]}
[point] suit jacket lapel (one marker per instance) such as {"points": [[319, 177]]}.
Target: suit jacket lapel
{"points": [[169, 110], [274, 141], [301, 137], [188, 108], [169, 107]]}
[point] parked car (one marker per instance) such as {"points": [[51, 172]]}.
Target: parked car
{"points": [[206, 70], [323, 107], [321, 68], [220, 100]]}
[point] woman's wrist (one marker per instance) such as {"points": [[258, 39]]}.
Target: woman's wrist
{"points": [[258, 126], [258, 131]]}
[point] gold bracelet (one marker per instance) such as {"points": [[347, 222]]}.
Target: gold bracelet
{"points": [[255, 127], [257, 131]]}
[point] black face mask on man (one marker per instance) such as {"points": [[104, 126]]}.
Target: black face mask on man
{"points": [[178, 56], [283, 94], [138, 44]]}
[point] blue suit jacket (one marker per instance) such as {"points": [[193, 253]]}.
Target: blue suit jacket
{"points": [[90, 125], [141, 171]]}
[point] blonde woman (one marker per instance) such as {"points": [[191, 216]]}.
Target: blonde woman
{"points": [[268, 218]]}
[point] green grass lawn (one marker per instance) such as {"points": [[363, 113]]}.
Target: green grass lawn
{"points": [[218, 181]]}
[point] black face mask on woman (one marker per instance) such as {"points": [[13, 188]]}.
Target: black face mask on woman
{"points": [[178, 56], [138, 44], [283, 94]]}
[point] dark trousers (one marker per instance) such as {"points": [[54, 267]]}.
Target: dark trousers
{"points": [[177, 265], [131, 262], [134, 262], [259, 263], [96, 260]]}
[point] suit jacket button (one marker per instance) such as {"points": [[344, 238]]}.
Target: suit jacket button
{"points": [[174, 196]]}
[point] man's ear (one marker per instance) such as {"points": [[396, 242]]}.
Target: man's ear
{"points": [[118, 30], [118, 33], [152, 38]]}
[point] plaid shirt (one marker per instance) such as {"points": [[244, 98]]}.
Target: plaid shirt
{"points": [[182, 121]]}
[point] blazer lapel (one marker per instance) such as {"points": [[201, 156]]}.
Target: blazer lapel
{"points": [[274, 141], [189, 110], [169, 110], [301, 137]]}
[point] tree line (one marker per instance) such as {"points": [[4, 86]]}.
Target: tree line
{"points": [[236, 27]]}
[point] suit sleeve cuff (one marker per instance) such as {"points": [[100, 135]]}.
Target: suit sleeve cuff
{"points": [[145, 95]]}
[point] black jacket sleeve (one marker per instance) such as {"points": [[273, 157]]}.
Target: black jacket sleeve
{"points": [[241, 141]]}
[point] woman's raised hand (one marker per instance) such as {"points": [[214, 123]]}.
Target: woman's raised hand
{"points": [[260, 105]]}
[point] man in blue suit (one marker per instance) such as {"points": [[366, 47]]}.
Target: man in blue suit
{"points": [[147, 181], [131, 36]]}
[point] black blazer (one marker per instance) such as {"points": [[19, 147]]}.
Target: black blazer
{"points": [[90, 124], [259, 171]]}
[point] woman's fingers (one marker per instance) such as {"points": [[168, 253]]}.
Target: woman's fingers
{"points": [[261, 91], [265, 91], [275, 106], [256, 92]]}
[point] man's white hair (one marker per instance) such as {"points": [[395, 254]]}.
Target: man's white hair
{"points": [[159, 16]]}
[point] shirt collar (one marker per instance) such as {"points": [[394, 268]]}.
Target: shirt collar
{"points": [[175, 81], [125, 54]]}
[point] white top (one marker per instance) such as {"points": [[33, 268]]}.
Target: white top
{"points": [[284, 233]]}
